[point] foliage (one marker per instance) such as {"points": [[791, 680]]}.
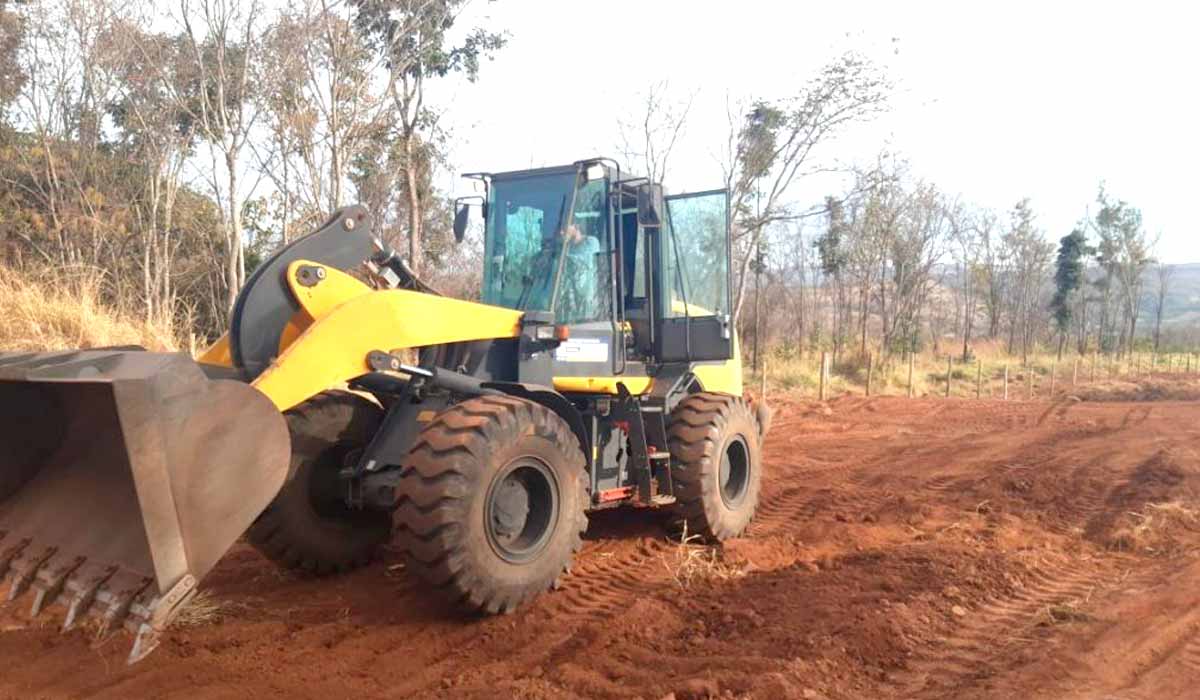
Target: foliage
{"points": [[1068, 276]]}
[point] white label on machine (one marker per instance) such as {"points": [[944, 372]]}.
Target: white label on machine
{"points": [[582, 350]]}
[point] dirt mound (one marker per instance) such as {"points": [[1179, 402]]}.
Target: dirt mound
{"points": [[1156, 388]]}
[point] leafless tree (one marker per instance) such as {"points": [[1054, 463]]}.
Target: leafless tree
{"points": [[772, 145], [649, 132], [1163, 274], [223, 40]]}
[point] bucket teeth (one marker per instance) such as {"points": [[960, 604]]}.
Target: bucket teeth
{"points": [[113, 596], [116, 596], [83, 588], [25, 568], [8, 554], [50, 581]]}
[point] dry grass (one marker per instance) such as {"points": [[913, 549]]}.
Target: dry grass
{"points": [[691, 561], [1160, 528], [890, 377], [66, 313], [203, 609]]}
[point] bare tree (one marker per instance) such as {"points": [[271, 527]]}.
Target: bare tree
{"points": [[1028, 255], [648, 134], [771, 146], [1163, 274], [223, 39], [156, 135]]}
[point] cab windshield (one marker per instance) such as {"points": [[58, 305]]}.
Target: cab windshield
{"points": [[530, 226]]}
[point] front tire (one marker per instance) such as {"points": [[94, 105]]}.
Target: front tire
{"points": [[716, 449], [492, 502], [308, 527]]}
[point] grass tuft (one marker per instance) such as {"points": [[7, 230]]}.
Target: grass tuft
{"points": [[691, 561], [203, 609]]}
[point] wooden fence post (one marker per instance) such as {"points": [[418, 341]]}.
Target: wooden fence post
{"points": [[1075, 374], [824, 372], [870, 368], [911, 361], [1052, 379], [1028, 383], [949, 370], [1006, 381], [979, 379]]}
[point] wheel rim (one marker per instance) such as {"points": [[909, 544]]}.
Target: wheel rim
{"points": [[735, 472], [522, 508]]}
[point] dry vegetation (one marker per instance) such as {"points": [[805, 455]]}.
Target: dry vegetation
{"points": [[1115, 378], [1160, 528], [690, 560], [69, 312]]}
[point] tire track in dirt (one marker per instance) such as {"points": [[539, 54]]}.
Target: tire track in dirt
{"points": [[1052, 591], [604, 582], [788, 513], [1189, 655]]}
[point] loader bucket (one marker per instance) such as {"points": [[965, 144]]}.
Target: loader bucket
{"points": [[124, 477]]}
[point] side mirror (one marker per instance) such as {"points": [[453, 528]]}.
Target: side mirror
{"points": [[650, 205], [461, 218]]}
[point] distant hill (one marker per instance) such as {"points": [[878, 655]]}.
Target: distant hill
{"points": [[1183, 295]]}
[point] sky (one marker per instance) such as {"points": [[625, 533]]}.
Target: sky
{"points": [[992, 103]]}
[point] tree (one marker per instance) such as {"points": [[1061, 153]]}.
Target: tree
{"points": [[967, 252], [1028, 254], [1124, 255], [158, 135], [223, 41], [1163, 275], [649, 133], [771, 146], [12, 76], [412, 36], [1068, 278]]}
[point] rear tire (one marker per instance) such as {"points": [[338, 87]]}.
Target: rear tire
{"points": [[308, 526], [716, 450], [492, 502]]}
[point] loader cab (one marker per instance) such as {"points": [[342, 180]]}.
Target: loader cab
{"points": [[638, 278]]}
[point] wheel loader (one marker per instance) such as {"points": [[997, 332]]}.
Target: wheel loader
{"points": [[350, 405]]}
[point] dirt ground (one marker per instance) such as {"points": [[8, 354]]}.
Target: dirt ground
{"points": [[903, 548]]}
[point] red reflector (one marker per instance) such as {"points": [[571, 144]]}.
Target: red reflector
{"points": [[617, 494], [562, 332]]}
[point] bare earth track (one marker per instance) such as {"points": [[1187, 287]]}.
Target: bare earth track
{"points": [[927, 548]]}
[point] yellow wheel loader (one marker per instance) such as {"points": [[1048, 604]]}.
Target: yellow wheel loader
{"points": [[350, 405]]}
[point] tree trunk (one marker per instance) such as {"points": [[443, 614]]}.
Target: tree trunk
{"points": [[235, 275], [412, 182]]}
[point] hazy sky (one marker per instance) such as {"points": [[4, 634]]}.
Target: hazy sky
{"points": [[993, 102]]}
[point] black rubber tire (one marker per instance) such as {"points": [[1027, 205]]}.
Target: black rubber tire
{"points": [[292, 532], [445, 490], [704, 427]]}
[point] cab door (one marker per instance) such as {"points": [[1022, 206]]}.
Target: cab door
{"points": [[694, 307]]}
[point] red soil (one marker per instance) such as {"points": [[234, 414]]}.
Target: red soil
{"points": [[903, 548]]}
